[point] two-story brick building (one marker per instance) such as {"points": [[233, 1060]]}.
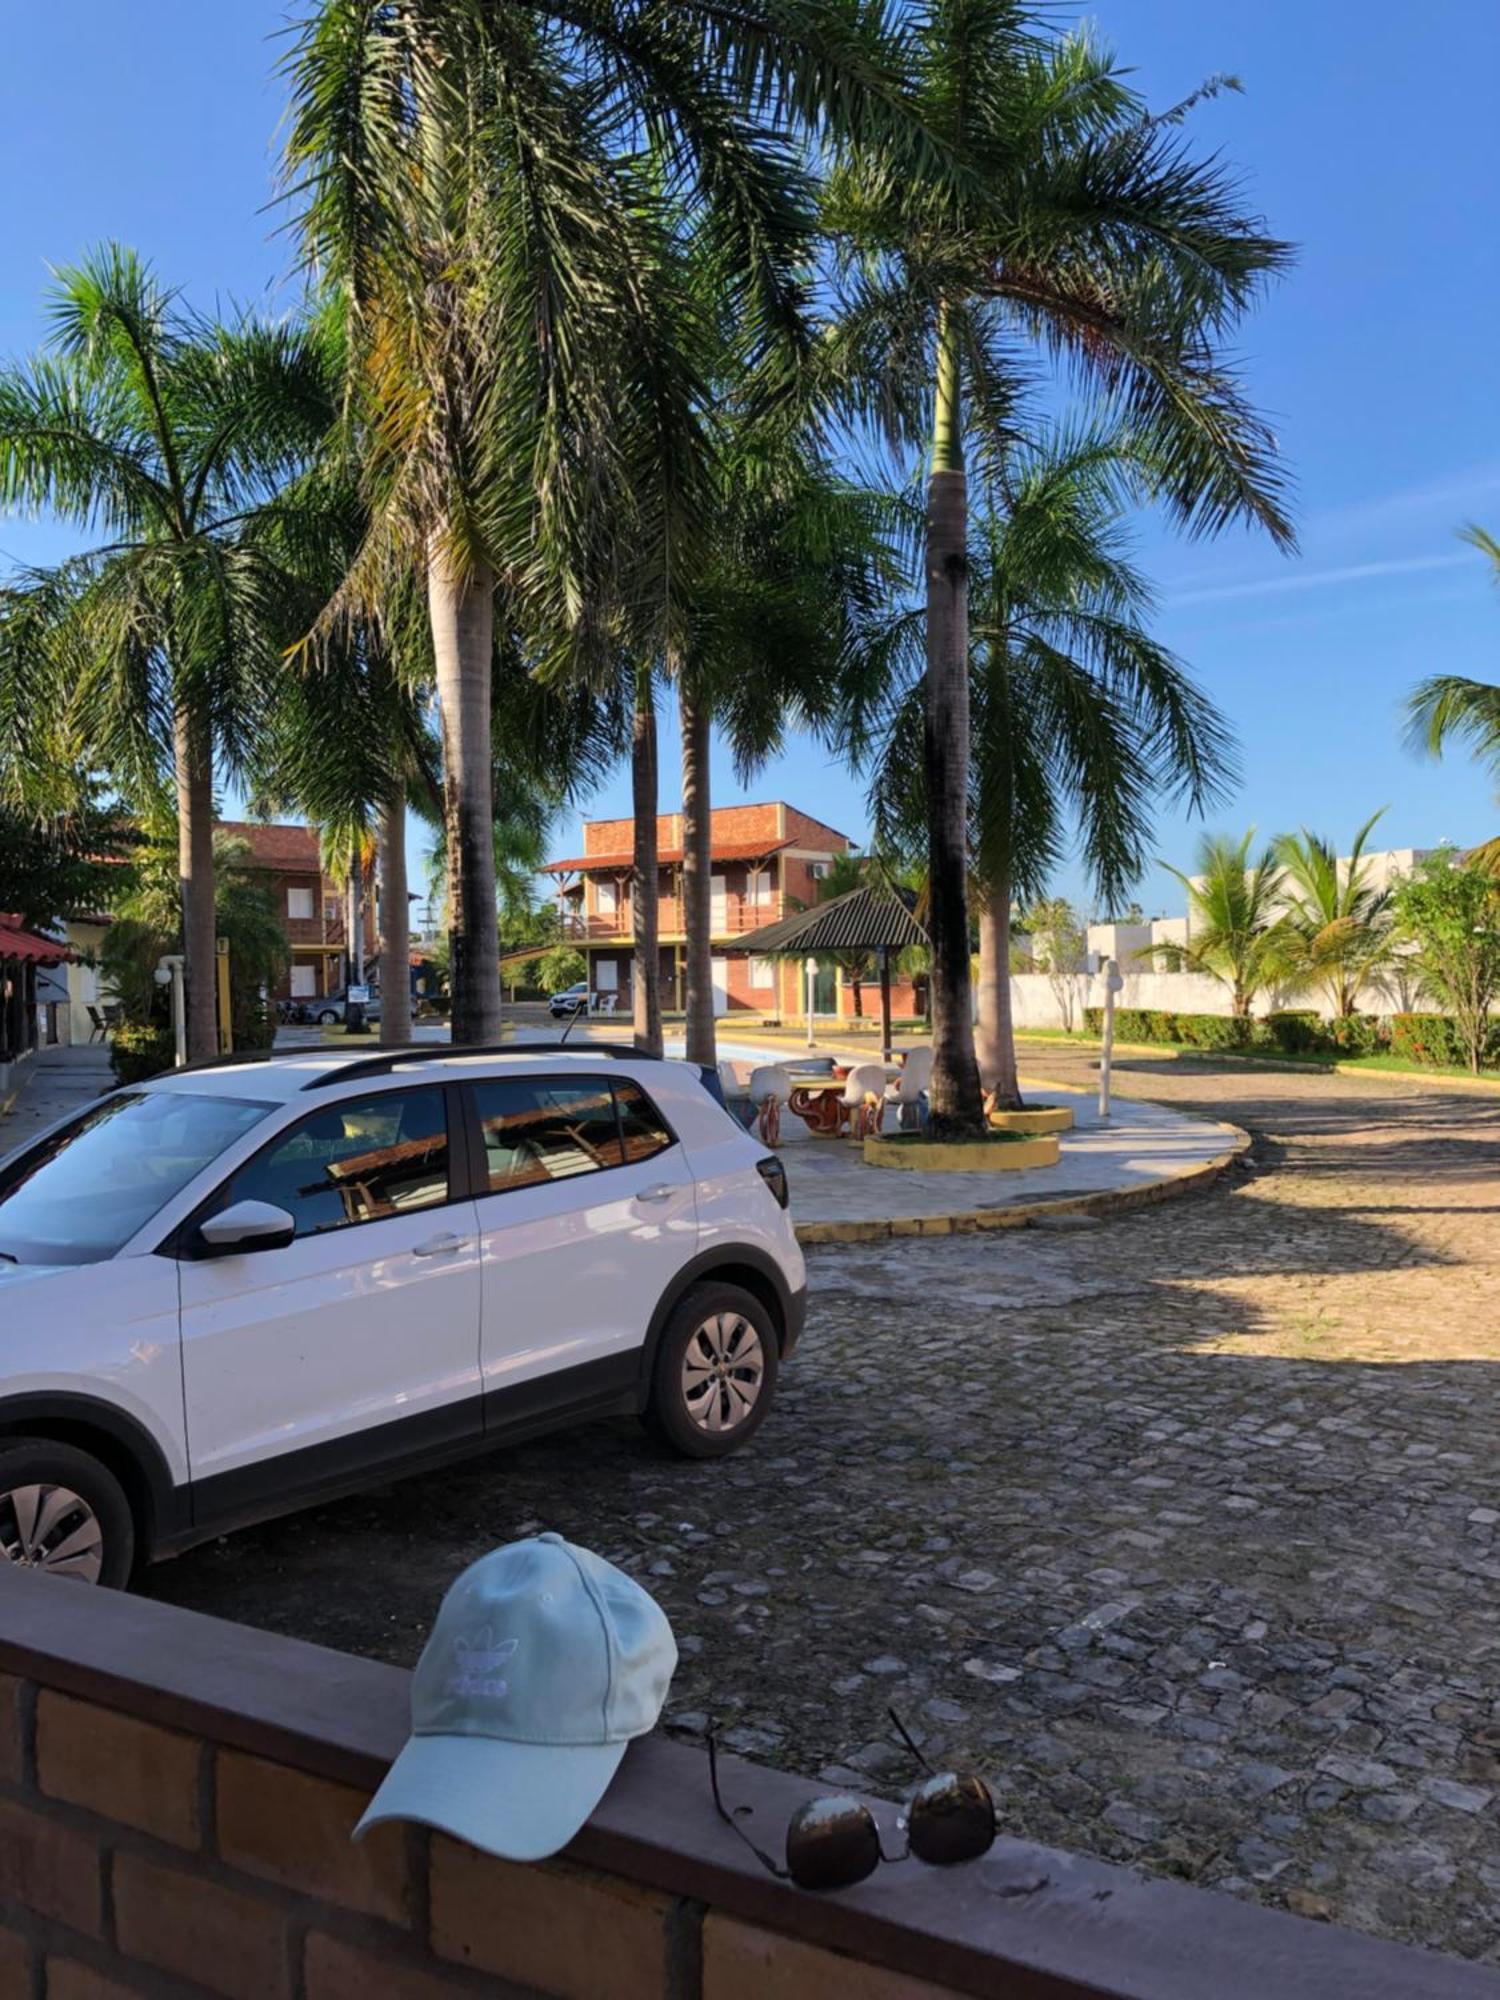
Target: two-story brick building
{"points": [[766, 862], [310, 905]]}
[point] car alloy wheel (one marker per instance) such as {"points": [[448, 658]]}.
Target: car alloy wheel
{"points": [[53, 1529], [723, 1371]]}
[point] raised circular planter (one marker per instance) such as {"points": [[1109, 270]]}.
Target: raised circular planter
{"points": [[1000, 1152], [1040, 1118]]}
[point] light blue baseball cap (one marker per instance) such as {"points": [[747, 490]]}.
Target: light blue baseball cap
{"points": [[543, 1663]]}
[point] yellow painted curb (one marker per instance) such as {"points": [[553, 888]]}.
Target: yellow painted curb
{"points": [[1043, 1118], [967, 1222], [972, 1156]]}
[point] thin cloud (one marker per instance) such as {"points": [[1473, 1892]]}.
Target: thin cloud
{"points": [[1317, 579]]}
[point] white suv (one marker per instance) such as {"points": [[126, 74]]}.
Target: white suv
{"points": [[244, 1287]]}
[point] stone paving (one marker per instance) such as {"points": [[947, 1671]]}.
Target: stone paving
{"points": [[1183, 1527]]}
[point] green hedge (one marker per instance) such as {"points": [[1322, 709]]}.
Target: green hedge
{"points": [[1434, 1039], [138, 1050], [1294, 1031], [1425, 1040]]}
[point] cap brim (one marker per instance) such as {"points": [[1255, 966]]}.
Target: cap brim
{"points": [[522, 1801]]}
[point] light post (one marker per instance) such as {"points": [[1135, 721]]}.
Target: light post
{"points": [[1113, 983], [810, 973], [169, 973]]}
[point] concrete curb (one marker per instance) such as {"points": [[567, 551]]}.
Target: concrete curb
{"points": [[972, 1222]]}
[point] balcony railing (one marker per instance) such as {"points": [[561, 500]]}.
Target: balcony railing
{"points": [[733, 916]]}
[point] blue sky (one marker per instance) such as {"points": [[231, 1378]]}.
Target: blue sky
{"points": [[1361, 135]]}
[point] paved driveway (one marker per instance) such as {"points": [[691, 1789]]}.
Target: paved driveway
{"points": [[1184, 1528]]}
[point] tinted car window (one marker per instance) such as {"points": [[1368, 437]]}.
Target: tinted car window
{"points": [[81, 1194], [642, 1128], [362, 1160], [536, 1130]]}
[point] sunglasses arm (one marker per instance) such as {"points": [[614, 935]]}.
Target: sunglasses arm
{"points": [[729, 1819]]}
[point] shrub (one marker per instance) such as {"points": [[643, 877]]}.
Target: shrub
{"points": [[1293, 1031], [1093, 1021], [255, 1024], [138, 1051], [1214, 1031], [1356, 1034], [1437, 1039]]}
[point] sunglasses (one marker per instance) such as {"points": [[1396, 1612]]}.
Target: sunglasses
{"points": [[833, 1843]]}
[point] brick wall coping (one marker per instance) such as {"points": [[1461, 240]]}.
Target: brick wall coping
{"points": [[1034, 1922]]}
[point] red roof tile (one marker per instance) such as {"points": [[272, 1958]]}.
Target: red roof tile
{"points": [[723, 850]]}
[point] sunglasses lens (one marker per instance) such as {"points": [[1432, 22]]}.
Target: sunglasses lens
{"points": [[832, 1844], [951, 1818]]}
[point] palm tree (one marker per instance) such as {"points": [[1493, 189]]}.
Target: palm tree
{"points": [[845, 873], [1083, 225], [1235, 931], [1337, 923], [491, 188], [1079, 716], [1449, 707], [153, 651]]}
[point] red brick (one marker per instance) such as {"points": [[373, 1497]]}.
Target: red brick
{"points": [[11, 1759], [231, 1943], [741, 1962], [49, 1868], [15, 1974], [334, 1970], [118, 1766], [294, 1829], [67, 1979], [575, 1934]]}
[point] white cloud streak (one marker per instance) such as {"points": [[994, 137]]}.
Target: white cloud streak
{"points": [[1317, 579]]}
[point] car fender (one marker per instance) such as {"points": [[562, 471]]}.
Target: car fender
{"points": [[734, 1263], [125, 1440]]}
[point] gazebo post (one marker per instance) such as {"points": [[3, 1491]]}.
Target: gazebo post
{"points": [[883, 954]]}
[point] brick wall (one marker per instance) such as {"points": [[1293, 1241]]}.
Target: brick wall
{"points": [[176, 1797]]}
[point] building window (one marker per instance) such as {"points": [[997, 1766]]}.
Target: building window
{"points": [[761, 889], [299, 905], [762, 972], [304, 982], [606, 975], [609, 898]]}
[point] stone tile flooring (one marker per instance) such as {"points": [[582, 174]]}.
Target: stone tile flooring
{"points": [[1183, 1527]]}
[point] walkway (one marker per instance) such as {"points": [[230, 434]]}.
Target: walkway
{"points": [[59, 1080]]}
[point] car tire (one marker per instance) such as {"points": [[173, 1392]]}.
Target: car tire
{"points": [[718, 1347], [62, 1513], [327, 1018]]}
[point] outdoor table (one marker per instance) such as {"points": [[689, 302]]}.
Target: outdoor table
{"points": [[819, 1101]]}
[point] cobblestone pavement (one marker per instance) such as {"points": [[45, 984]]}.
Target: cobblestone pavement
{"points": [[1184, 1528]]}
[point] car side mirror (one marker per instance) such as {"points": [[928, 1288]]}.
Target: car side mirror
{"points": [[244, 1226]]}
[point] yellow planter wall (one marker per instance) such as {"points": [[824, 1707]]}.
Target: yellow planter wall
{"points": [[976, 1156], [1045, 1118]]}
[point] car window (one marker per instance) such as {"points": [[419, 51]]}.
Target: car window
{"points": [[537, 1130], [361, 1160], [643, 1130], [80, 1194]]}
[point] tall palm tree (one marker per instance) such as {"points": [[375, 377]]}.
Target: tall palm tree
{"points": [[1079, 715], [1235, 932], [1085, 227], [490, 187], [154, 651], [1337, 922], [1448, 708]]}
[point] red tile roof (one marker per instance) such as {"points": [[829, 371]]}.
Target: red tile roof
{"points": [[294, 848], [723, 850], [16, 943]]}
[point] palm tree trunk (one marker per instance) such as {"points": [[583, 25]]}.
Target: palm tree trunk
{"points": [[996, 1040], [956, 1098], [697, 913], [462, 612], [395, 925], [192, 749], [646, 974]]}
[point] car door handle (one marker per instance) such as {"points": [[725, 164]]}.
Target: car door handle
{"points": [[439, 1246], [663, 1191]]}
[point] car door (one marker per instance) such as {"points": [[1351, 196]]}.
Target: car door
{"points": [[586, 1213], [357, 1343]]}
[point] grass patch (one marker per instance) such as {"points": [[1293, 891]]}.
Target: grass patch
{"points": [[1313, 1059]]}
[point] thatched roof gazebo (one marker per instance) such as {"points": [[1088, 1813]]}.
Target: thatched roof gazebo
{"points": [[869, 918]]}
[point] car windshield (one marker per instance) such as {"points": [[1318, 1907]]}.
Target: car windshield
{"points": [[77, 1195]]}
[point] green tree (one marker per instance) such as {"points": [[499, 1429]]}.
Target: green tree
{"points": [[154, 650], [1079, 717], [847, 872], [1449, 915], [1084, 225], [1336, 929], [64, 864], [1235, 933], [561, 967], [1448, 708]]}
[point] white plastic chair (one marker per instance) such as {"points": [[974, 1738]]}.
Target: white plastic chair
{"points": [[864, 1095], [735, 1092], [906, 1091], [607, 1003], [770, 1088]]}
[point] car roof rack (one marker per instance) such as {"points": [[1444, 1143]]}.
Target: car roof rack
{"points": [[231, 1059], [383, 1064]]}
